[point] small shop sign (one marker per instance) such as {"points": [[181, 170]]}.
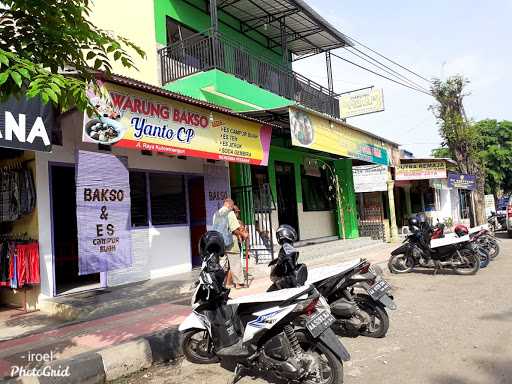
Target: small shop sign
{"points": [[420, 171], [361, 102], [370, 178], [132, 119], [103, 212], [461, 181], [26, 124]]}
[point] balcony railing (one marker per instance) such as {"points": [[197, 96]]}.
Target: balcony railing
{"points": [[208, 50]]}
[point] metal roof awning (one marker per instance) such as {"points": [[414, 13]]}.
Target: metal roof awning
{"points": [[306, 31]]}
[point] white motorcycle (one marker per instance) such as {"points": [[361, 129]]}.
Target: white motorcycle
{"points": [[285, 333]]}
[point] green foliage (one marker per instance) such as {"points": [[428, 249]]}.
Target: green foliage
{"points": [[495, 151], [442, 152], [460, 137], [43, 43]]}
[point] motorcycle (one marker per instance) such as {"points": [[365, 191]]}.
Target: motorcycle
{"points": [[492, 221], [356, 294], [286, 334], [481, 235], [457, 253]]}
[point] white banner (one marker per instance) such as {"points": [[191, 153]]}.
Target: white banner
{"points": [[370, 178]]}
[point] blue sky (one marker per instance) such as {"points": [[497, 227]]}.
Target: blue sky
{"points": [[436, 39]]}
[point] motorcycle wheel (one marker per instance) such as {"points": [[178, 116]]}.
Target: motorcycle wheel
{"points": [[485, 259], [494, 248], [401, 264], [331, 368], [472, 261], [379, 323], [195, 347]]}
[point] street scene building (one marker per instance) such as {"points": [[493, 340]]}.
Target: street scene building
{"points": [[198, 156]]}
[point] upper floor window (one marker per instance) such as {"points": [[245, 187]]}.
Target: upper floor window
{"points": [[177, 32]]}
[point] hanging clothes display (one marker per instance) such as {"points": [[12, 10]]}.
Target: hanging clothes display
{"points": [[19, 263], [17, 193]]}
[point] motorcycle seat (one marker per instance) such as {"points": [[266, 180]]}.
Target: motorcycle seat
{"points": [[318, 274], [273, 296], [360, 277]]}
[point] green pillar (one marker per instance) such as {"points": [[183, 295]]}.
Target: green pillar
{"points": [[348, 207], [241, 183]]}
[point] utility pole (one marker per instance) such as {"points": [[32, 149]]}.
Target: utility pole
{"points": [[330, 82]]}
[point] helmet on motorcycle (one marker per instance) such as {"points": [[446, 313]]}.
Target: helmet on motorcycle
{"points": [[414, 224], [286, 234], [211, 242], [461, 230]]}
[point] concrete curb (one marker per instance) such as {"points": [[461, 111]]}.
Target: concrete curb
{"points": [[98, 367]]}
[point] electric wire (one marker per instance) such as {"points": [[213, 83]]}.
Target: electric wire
{"points": [[381, 75], [384, 67], [390, 60]]}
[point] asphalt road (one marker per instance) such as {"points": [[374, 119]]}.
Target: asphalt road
{"points": [[448, 329]]}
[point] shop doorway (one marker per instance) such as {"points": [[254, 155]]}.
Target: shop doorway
{"points": [[65, 234], [197, 215], [286, 195]]}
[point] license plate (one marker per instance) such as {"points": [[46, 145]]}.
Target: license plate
{"points": [[319, 323], [379, 289]]}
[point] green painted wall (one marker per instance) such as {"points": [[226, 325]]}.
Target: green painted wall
{"points": [[346, 179], [343, 169], [235, 93], [198, 19]]}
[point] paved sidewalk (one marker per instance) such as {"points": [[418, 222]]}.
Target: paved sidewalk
{"points": [[96, 337]]}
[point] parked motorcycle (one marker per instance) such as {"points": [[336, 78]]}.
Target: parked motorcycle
{"points": [[286, 334], [357, 296], [492, 220], [481, 235], [457, 253]]}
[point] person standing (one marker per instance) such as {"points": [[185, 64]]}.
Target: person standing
{"points": [[225, 222]]}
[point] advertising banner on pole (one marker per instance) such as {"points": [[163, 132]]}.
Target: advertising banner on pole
{"points": [[133, 119], [461, 181], [361, 102], [490, 205], [420, 171], [103, 212], [314, 132], [216, 188], [370, 178]]}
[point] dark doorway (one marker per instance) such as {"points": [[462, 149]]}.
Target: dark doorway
{"points": [[197, 216], [286, 194], [65, 238]]}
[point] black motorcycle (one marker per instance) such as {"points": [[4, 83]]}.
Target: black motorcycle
{"points": [[356, 293], [461, 256]]}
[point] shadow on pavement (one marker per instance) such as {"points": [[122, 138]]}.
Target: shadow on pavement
{"points": [[504, 316], [498, 372]]}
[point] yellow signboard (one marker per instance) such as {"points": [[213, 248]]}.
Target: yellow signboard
{"points": [[311, 131], [421, 171], [133, 119], [361, 102]]}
